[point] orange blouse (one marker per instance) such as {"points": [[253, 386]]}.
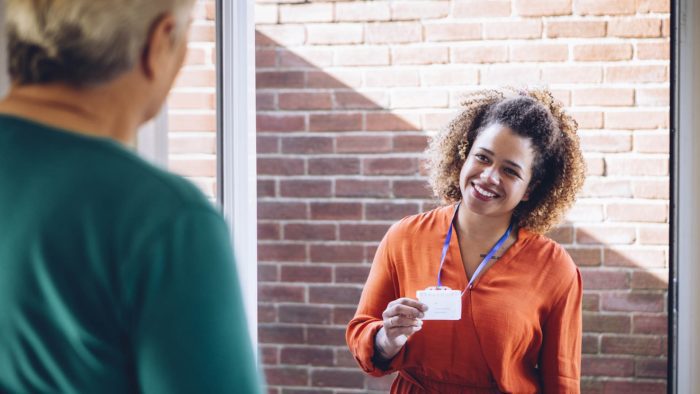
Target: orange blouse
{"points": [[520, 330]]}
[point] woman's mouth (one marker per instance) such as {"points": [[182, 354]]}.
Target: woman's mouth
{"points": [[483, 194]]}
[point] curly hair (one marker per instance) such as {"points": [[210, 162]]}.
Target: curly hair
{"points": [[558, 168]]}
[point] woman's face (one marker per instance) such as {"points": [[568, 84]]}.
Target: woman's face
{"points": [[497, 172]]}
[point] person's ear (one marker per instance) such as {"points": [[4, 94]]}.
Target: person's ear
{"points": [[159, 46]]}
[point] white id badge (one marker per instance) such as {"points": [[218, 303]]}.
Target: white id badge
{"points": [[443, 303]]}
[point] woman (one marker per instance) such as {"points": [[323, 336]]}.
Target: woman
{"points": [[115, 276], [508, 166]]}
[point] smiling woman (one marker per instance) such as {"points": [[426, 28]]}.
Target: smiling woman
{"points": [[508, 166]]}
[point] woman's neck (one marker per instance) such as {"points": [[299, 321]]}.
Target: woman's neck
{"points": [[480, 229]]}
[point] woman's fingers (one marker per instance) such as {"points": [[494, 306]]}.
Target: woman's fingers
{"points": [[414, 310], [410, 303]]}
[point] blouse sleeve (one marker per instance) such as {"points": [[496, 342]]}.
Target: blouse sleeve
{"points": [[379, 290], [560, 358]]}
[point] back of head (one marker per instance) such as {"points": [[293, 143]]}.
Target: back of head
{"points": [[82, 42]]}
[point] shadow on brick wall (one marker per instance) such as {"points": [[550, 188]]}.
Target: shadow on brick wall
{"points": [[335, 169]]}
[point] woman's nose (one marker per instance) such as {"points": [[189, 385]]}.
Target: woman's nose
{"points": [[490, 174]]}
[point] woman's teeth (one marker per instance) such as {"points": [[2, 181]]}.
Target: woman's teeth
{"points": [[484, 192]]}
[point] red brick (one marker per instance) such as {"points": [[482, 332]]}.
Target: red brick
{"points": [[542, 7], [653, 50], [590, 344], [199, 143], [362, 11], [525, 28], [572, 74], [452, 31], [651, 189], [389, 166], [538, 52], [591, 302], [307, 314], [305, 273], [607, 366], [269, 354], [268, 273], [410, 143], [196, 55], [305, 101], [602, 52], [286, 376], [361, 100], [351, 274], [335, 122], [562, 234], [363, 232], [279, 166], [633, 302], [479, 53], [363, 144], [306, 356], [605, 7], [654, 234], [480, 8], [656, 280], [632, 345], [312, 12], [336, 210], [437, 120], [510, 75], [196, 78], [307, 145], [652, 97], [202, 32], [606, 323], [575, 28], [666, 27], [601, 187], [281, 252], [334, 166], [587, 257], [279, 35], [412, 189], [425, 54], [637, 73], [343, 358], [652, 142], [392, 121], [307, 57], [594, 165], [637, 257], [335, 294], [336, 253], [636, 166], [266, 188], [280, 334], [281, 210], [267, 314], [602, 96], [337, 378], [265, 101], [334, 34], [419, 10], [280, 122], [336, 79], [305, 188], [642, 387], [309, 231], [391, 77], [190, 100], [658, 6], [280, 293], [650, 324], [192, 122], [279, 79], [605, 235], [205, 167], [605, 141], [637, 212], [393, 32], [268, 231], [362, 188], [362, 56], [634, 28], [652, 368], [605, 280]]}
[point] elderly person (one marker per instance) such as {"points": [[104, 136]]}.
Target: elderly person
{"points": [[115, 276], [505, 315]]}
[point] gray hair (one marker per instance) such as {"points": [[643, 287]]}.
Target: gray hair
{"points": [[82, 42]]}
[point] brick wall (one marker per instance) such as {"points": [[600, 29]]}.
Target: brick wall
{"points": [[348, 93]]}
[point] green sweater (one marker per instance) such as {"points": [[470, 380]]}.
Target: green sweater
{"points": [[115, 276]]}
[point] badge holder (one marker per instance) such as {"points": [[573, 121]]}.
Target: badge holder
{"points": [[443, 303]]}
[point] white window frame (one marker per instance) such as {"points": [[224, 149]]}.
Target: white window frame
{"points": [[236, 138], [152, 139], [685, 232]]}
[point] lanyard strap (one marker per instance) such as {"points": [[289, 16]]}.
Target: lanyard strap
{"points": [[486, 259]]}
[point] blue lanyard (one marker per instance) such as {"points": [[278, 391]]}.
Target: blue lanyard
{"points": [[486, 259]]}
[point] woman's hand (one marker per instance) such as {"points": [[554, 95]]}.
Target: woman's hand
{"points": [[402, 318]]}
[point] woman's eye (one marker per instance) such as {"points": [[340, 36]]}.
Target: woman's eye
{"points": [[512, 172], [481, 158]]}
